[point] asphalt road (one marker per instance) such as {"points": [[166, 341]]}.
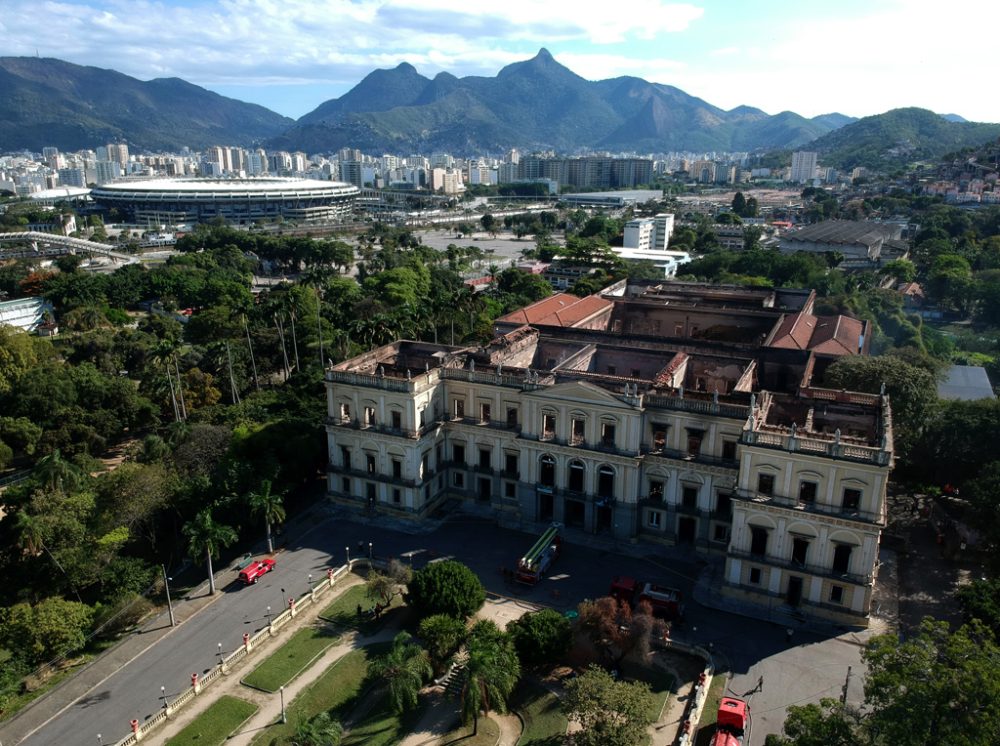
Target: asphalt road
{"points": [[808, 669]]}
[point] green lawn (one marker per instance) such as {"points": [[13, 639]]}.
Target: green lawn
{"points": [[337, 690], [488, 734], [344, 611], [661, 684], [716, 690], [214, 725], [544, 722], [291, 659], [381, 726]]}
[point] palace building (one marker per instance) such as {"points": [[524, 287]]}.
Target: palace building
{"points": [[677, 414]]}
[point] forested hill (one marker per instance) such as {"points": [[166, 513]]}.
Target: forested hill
{"points": [[899, 136], [51, 102]]}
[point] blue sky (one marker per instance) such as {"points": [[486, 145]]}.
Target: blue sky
{"points": [[811, 57]]}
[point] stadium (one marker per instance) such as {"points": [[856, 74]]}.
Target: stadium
{"points": [[239, 201]]}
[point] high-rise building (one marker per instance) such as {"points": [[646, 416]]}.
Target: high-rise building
{"points": [[118, 152], [803, 166], [107, 171]]}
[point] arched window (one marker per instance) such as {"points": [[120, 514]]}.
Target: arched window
{"points": [[574, 480], [606, 482], [547, 472]]}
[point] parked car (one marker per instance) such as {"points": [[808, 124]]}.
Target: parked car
{"points": [[252, 572]]}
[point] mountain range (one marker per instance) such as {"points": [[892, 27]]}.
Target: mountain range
{"points": [[51, 102], [537, 104]]}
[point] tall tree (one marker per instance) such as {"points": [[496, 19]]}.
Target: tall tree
{"points": [[610, 712], [491, 673], [403, 670], [270, 506], [206, 538]]}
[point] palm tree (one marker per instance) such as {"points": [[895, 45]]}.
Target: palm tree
{"points": [[56, 474], [269, 506], [321, 730], [205, 539], [31, 540], [490, 676], [403, 669]]}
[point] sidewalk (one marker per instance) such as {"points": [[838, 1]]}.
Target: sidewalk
{"points": [[885, 608], [39, 712]]}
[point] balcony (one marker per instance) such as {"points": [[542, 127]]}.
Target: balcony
{"points": [[382, 428], [698, 458], [815, 443], [817, 508], [789, 564], [490, 423]]}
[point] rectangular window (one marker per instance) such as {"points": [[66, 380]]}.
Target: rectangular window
{"points": [[425, 461], [758, 541], [729, 450], [397, 468], [511, 416], [345, 485], [800, 547], [807, 492], [370, 416], [548, 425], [397, 420], [842, 558], [397, 496], [607, 434], [370, 463], [659, 437], [370, 493], [345, 457], [458, 454], [577, 433], [656, 490], [836, 594], [423, 417], [694, 442], [459, 480], [345, 412], [689, 497], [720, 533], [575, 477], [459, 409], [510, 463], [485, 413], [510, 489], [484, 458], [724, 505], [754, 578], [438, 456], [765, 484], [654, 518], [852, 499]]}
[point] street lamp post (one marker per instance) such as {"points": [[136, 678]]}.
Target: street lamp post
{"points": [[310, 581], [347, 553], [100, 740], [163, 696], [166, 587], [369, 552], [268, 616], [220, 653], [281, 692]]}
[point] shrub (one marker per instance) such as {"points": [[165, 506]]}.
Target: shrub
{"points": [[447, 587], [541, 637]]}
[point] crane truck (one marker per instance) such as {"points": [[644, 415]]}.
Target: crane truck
{"points": [[534, 564]]}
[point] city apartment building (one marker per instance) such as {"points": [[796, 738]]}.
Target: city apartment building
{"points": [[671, 414]]}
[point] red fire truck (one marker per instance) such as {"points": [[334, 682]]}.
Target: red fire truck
{"points": [[536, 562], [732, 723], [667, 603]]}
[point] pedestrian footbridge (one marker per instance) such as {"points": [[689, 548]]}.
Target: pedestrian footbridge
{"points": [[36, 243]]}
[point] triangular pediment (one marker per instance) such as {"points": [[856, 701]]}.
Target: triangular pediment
{"points": [[580, 392]]}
